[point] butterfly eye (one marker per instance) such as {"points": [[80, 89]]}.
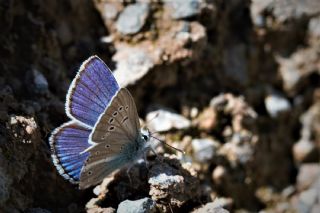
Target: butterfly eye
{"points": [[115, 114], [90, 173], [107, 146], [127, 107], [120, 108], [111, 120], [111, 128], [145, 137]]}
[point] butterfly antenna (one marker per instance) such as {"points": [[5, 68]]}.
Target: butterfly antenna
{"points": [[172, 147]]}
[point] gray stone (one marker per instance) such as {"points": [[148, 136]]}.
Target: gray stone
{"points": [[204, 149], [165, 181], [183, 8], [132, 18], [145, 205], [308, 174], [39, 83], [303, 150], [276, 104], [132, 65], [284, 10], [314, 27], [163, 120], [211, 207]]}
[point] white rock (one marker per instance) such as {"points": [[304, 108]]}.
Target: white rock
{"points": [[132, 65], [275, 104], [204, 149], [162, 120]]}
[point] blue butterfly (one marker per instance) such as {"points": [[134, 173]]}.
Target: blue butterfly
{"points": [[104, 133]]}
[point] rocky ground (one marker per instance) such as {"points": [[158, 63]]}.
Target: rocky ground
{"points": [[235, 85]]}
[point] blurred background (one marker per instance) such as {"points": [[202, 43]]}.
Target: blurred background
{"points": [[236, 85]]}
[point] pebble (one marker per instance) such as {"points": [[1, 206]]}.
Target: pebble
{"points": [[144, 205], [204, 149], [40, 83], [181, 9], [304, 150], [210, 208], [132, 18], [307, 176], [132, 65], [276, 104], [163, 120]]}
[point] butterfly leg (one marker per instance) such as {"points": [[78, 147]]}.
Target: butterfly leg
{"points": [[146, 160], [128, 174]]}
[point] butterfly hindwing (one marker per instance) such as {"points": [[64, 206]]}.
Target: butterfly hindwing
{"points": [[90, 91], [115, 137], [67, 143]]}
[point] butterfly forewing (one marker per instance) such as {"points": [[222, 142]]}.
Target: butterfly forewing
{"points": [[116, 130], [119, 122]]}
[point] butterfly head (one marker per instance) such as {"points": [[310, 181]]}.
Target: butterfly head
{"points": [[145, 134]]}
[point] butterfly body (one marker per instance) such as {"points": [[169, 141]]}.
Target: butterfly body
{"points": [[104, 133]]}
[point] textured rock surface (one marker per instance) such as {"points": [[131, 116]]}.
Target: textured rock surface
{"points": [[244, 74]]}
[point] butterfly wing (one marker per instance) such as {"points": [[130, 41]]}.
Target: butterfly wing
{"points": [[67, 143], [90, 92], [115, 138]]}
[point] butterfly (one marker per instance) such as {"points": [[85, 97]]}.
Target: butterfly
{"points": [[104, 132]]}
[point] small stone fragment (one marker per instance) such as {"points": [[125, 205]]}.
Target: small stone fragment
{"points": [[276, 104], [145, 205], [204, 149], [207, 119], [163, 120], [132, 65], [132, 18], [181, 9], [307, 176], [210, 208], [304, 150]]}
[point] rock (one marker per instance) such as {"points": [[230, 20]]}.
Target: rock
{"points": [[110, 11], [284, 10], [239, 149], [37, 82], [132, 18], [276, 104], [171, 183], [204, 149], [314, 27], [257, 8], [144, 205], [163, 120], [207, 120], [307, 176], [218, 174], [210, 208], [304, 150], [308, 199], [22, 128], [297, 67], [132, 65], [236, 107], [101, 210], [181, 9]]}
